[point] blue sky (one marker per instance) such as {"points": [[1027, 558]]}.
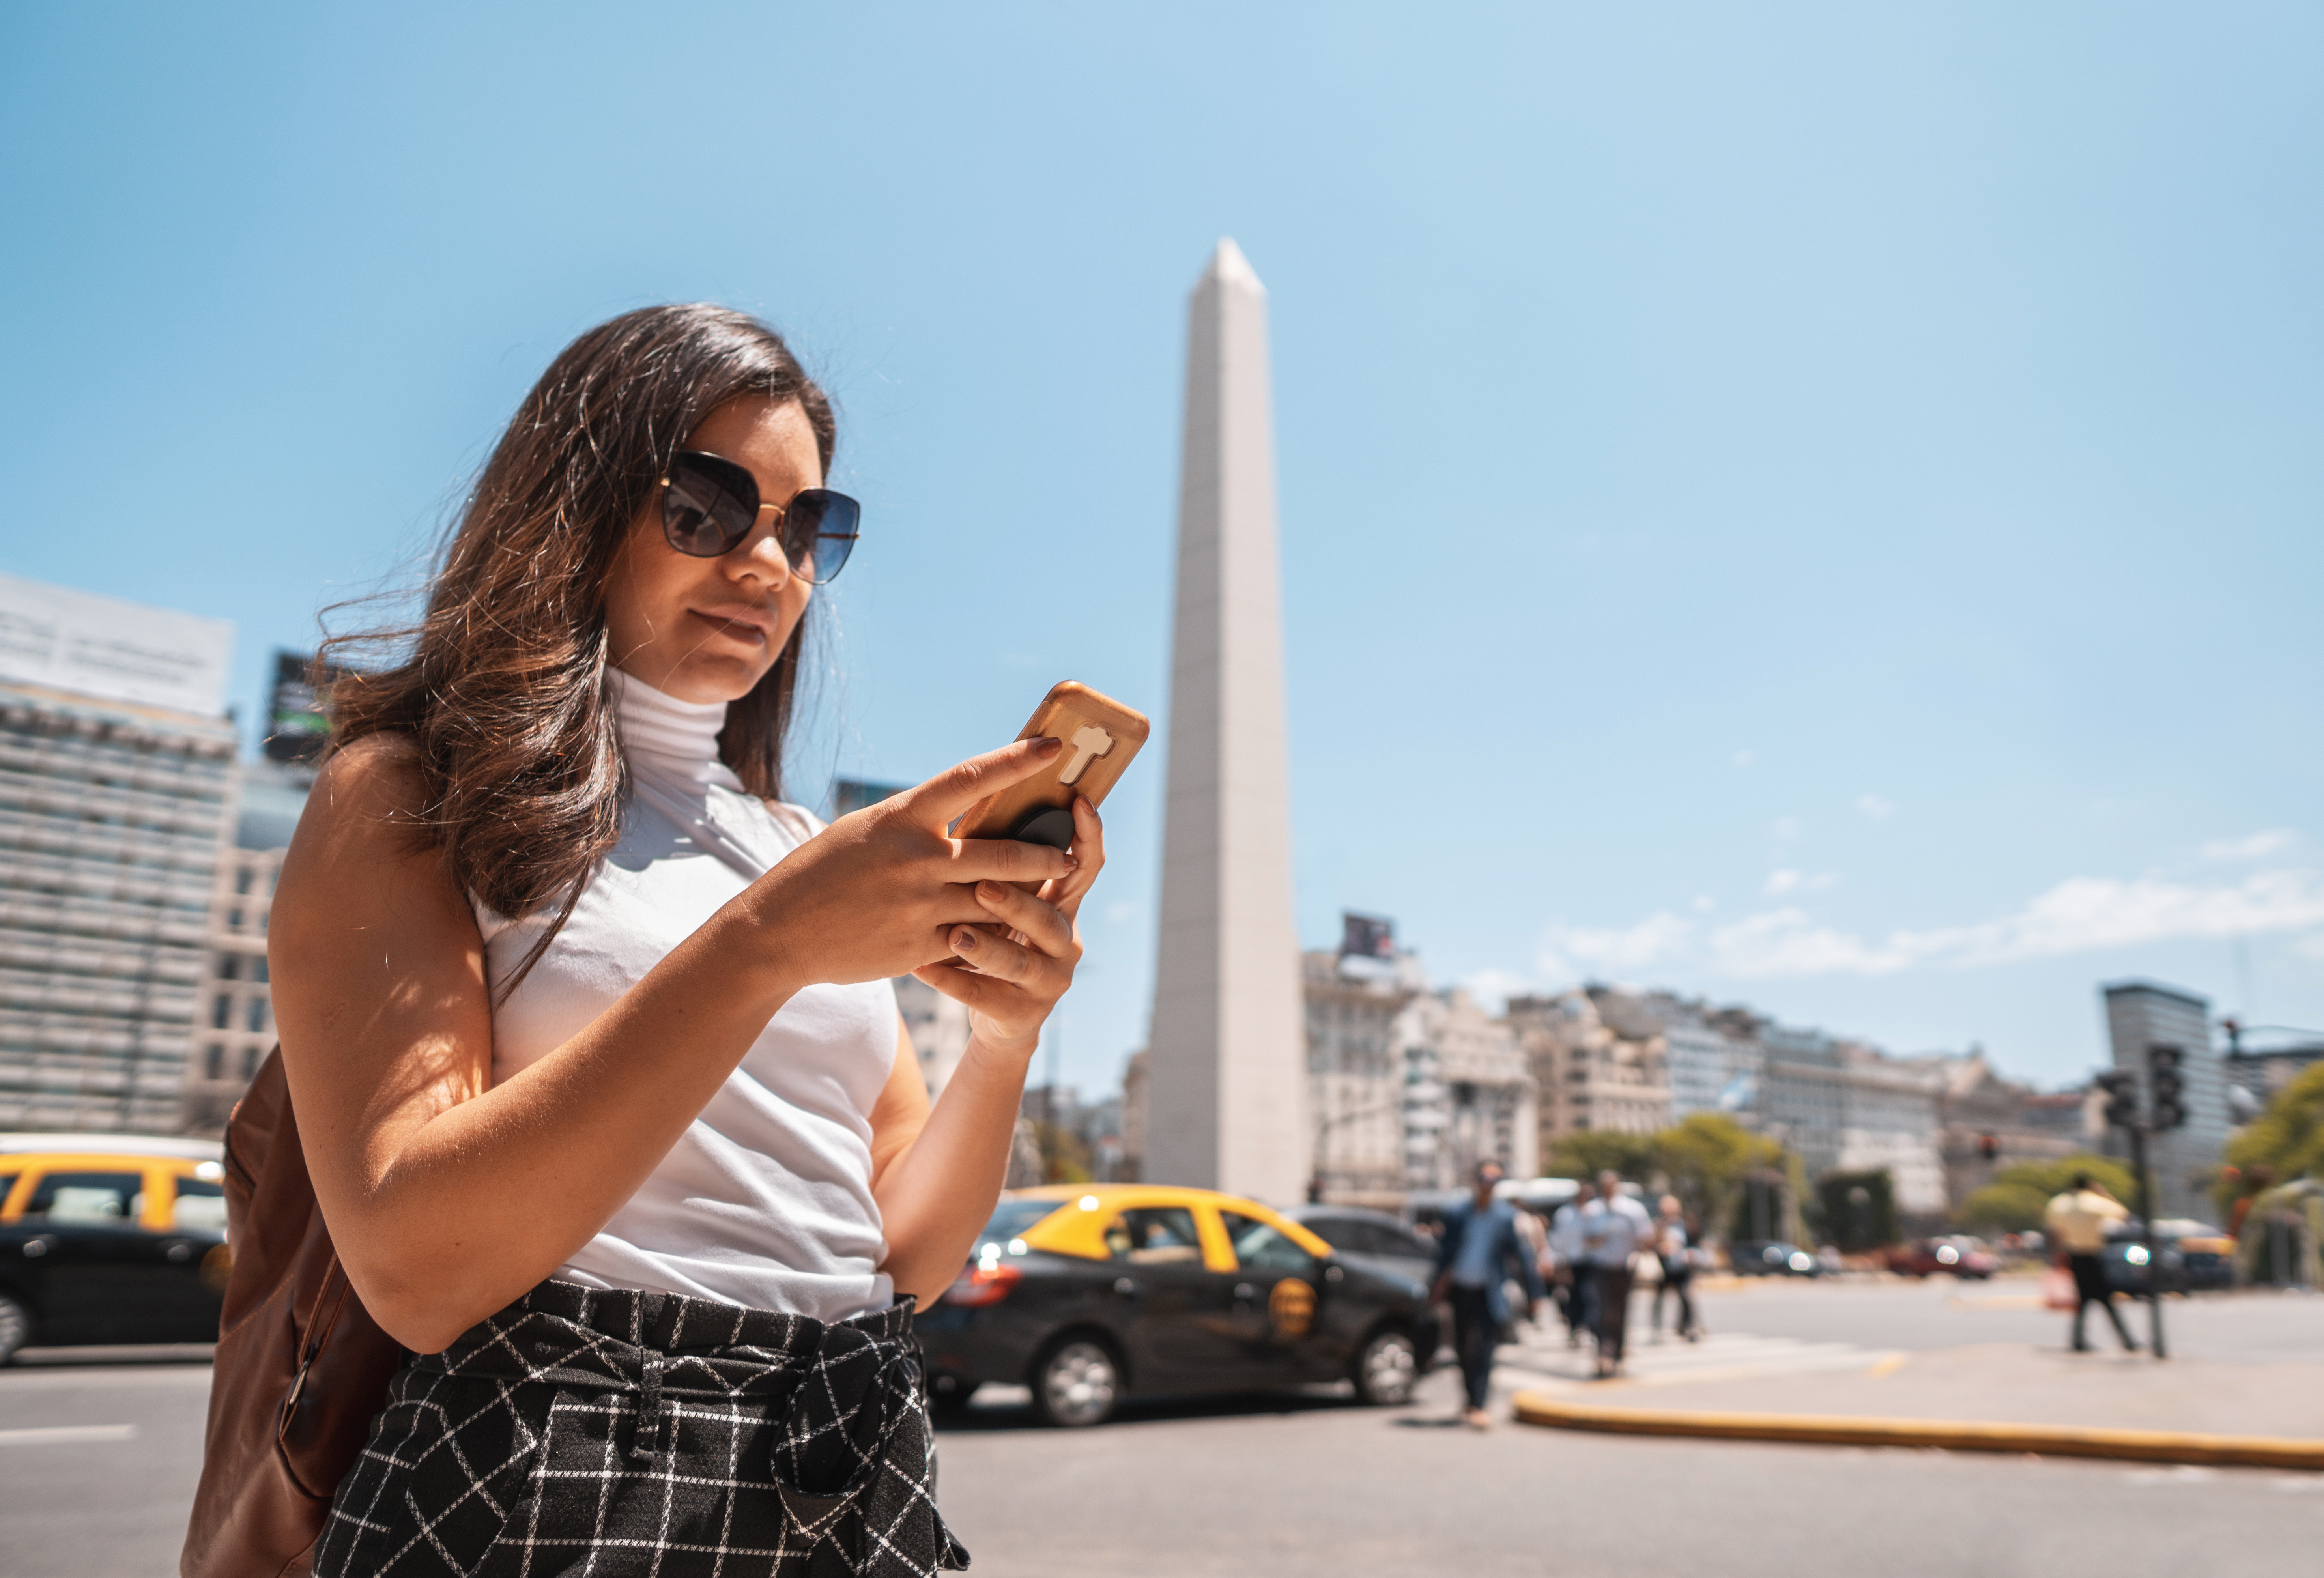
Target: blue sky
{"points": [[1815, 508]]}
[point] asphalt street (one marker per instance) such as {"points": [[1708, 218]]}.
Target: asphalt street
{"points": [[97, 1463]]}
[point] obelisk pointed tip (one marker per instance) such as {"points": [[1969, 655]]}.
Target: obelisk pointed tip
{"points": [[1229, 266]]}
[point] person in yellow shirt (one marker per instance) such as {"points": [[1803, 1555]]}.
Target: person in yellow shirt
{"points": [[2077, 1222]]}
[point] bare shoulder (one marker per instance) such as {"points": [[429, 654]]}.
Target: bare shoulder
{"points": [[366, 824]]}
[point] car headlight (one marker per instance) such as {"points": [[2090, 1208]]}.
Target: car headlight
{"points": [[1802, 1260], [2135, 1254]]}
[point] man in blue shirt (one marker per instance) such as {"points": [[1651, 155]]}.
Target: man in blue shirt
{"points": [[1479, 1251]]}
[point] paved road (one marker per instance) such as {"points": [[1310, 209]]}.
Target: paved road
{"points": [[97, 1464]]}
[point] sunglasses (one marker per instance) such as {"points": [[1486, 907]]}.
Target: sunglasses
{"points": [[709, 504]]}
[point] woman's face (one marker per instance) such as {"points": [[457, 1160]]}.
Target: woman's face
{"points": [[708, 629]]}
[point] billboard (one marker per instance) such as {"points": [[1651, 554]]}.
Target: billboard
{"points": [[98, 646], [296, 728], [1366, 936]]}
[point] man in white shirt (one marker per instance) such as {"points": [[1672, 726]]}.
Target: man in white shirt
{"points": [[1614, 1227], [2077, 1222], [1565, 1251]]}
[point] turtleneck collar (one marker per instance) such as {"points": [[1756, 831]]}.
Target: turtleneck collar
{"points": [[664, 736]]}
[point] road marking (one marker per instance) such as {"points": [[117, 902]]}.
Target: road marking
{"points": [[1736, 1357], [49, 1435]]}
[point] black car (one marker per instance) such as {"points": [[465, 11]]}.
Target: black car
{"points": [[1088, 1294], [84, 1261], [1764, 1258], [1371, 1239]]}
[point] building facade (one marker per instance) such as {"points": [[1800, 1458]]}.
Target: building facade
{"points": [[2140, 1016], [113, 816], [1359, 1089], [1599, 1060]]}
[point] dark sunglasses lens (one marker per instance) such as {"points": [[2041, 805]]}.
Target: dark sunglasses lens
{"points": [[700, 513], [819, 532]]}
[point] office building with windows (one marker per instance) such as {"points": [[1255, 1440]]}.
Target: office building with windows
{"points": [[117, 771]]}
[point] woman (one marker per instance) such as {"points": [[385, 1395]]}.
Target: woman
{"points": [[603, 1090]]}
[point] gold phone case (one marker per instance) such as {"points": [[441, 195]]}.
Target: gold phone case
{"points": [[1101, 736]]}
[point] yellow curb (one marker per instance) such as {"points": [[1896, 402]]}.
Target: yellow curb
{"points": [[2264, 1452]]}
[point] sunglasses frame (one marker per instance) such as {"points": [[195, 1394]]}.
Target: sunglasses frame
{"points": [[735, 479]]}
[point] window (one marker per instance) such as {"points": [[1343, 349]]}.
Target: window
{"points": [[200, 1206], [242, 881], [8, 1183], [221, 1010], [214, 1061], [1260, 1247], [250, 1063], [1155, 1235], [229, 965], [1010, 1218], [257, 1015], [87, 1198], [258, 968]]}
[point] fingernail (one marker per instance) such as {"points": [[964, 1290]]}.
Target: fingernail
{"points": [[1048, 745], [965, 940], [988, 890]]}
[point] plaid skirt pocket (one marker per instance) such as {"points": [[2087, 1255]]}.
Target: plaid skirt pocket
{"points": [[447, 1469], [619, 1434]]}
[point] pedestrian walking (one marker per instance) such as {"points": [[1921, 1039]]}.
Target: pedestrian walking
{"points": [[1614, 1228], [1480, 1252], [603, 1091], [2077, 1222], [1676, 1251], [1572, 1271]]}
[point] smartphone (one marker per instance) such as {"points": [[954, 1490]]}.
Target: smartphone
{"points": [[1100, 737]]}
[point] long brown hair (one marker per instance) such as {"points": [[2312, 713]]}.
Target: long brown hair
{"points": [[501, 685]]}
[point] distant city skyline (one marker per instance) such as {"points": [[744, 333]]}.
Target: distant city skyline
{"points": [[1811, 509]]}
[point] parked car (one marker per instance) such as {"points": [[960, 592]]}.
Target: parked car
{"points": [[1371, 1239], [1091, 1293], [1960, 1257], [1761, 1257], [99, 1245], [2188, 1256]]}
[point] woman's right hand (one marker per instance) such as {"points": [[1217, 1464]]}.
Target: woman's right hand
{"points": [[878, 891]]}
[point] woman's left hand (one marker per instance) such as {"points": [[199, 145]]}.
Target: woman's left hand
{"points": [[1012, 972]]}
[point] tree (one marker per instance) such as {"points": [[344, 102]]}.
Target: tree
{"points": [[1587, 1152], [2288, 1138], [2019, 1194], [1708, 1157]]}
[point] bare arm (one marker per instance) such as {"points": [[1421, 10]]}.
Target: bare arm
{"points": [[936, 1178], [446, 1198]]}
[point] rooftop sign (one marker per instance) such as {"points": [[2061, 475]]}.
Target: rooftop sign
{"points": [[105, 647]]}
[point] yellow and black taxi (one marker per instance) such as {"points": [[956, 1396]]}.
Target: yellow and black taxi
{"points": [[105, 1239], [1091, 1293]]}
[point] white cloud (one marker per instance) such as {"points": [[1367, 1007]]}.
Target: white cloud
{"points": [[1743, 757], [1571, 951], [2252, 848], [1785, 942], [1704, 903], [1875, 807], [1492, 989], [2079, 914], [1784, 880]]}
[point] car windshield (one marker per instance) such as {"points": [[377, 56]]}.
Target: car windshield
{"points": [[1339, 1231], [1010, 1218]]}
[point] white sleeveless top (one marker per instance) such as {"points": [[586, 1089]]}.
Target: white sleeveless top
{"points": [[766, 1199]]}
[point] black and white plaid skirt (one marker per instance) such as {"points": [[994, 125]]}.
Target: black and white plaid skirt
{"points": [[620, 1433]]}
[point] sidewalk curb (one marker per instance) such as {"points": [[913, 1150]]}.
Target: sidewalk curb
{"points": [[2269, 1451]]}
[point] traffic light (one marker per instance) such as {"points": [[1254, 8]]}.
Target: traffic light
{"points": [[2121, 1087], [1988, 1146], [2169, 1094]]}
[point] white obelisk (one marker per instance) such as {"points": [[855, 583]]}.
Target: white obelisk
{"points": [[1227, 1062]]}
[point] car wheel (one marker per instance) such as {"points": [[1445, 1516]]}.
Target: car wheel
{"points": [[1078, 1384], [15, 1327], [1387, 1370]]}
